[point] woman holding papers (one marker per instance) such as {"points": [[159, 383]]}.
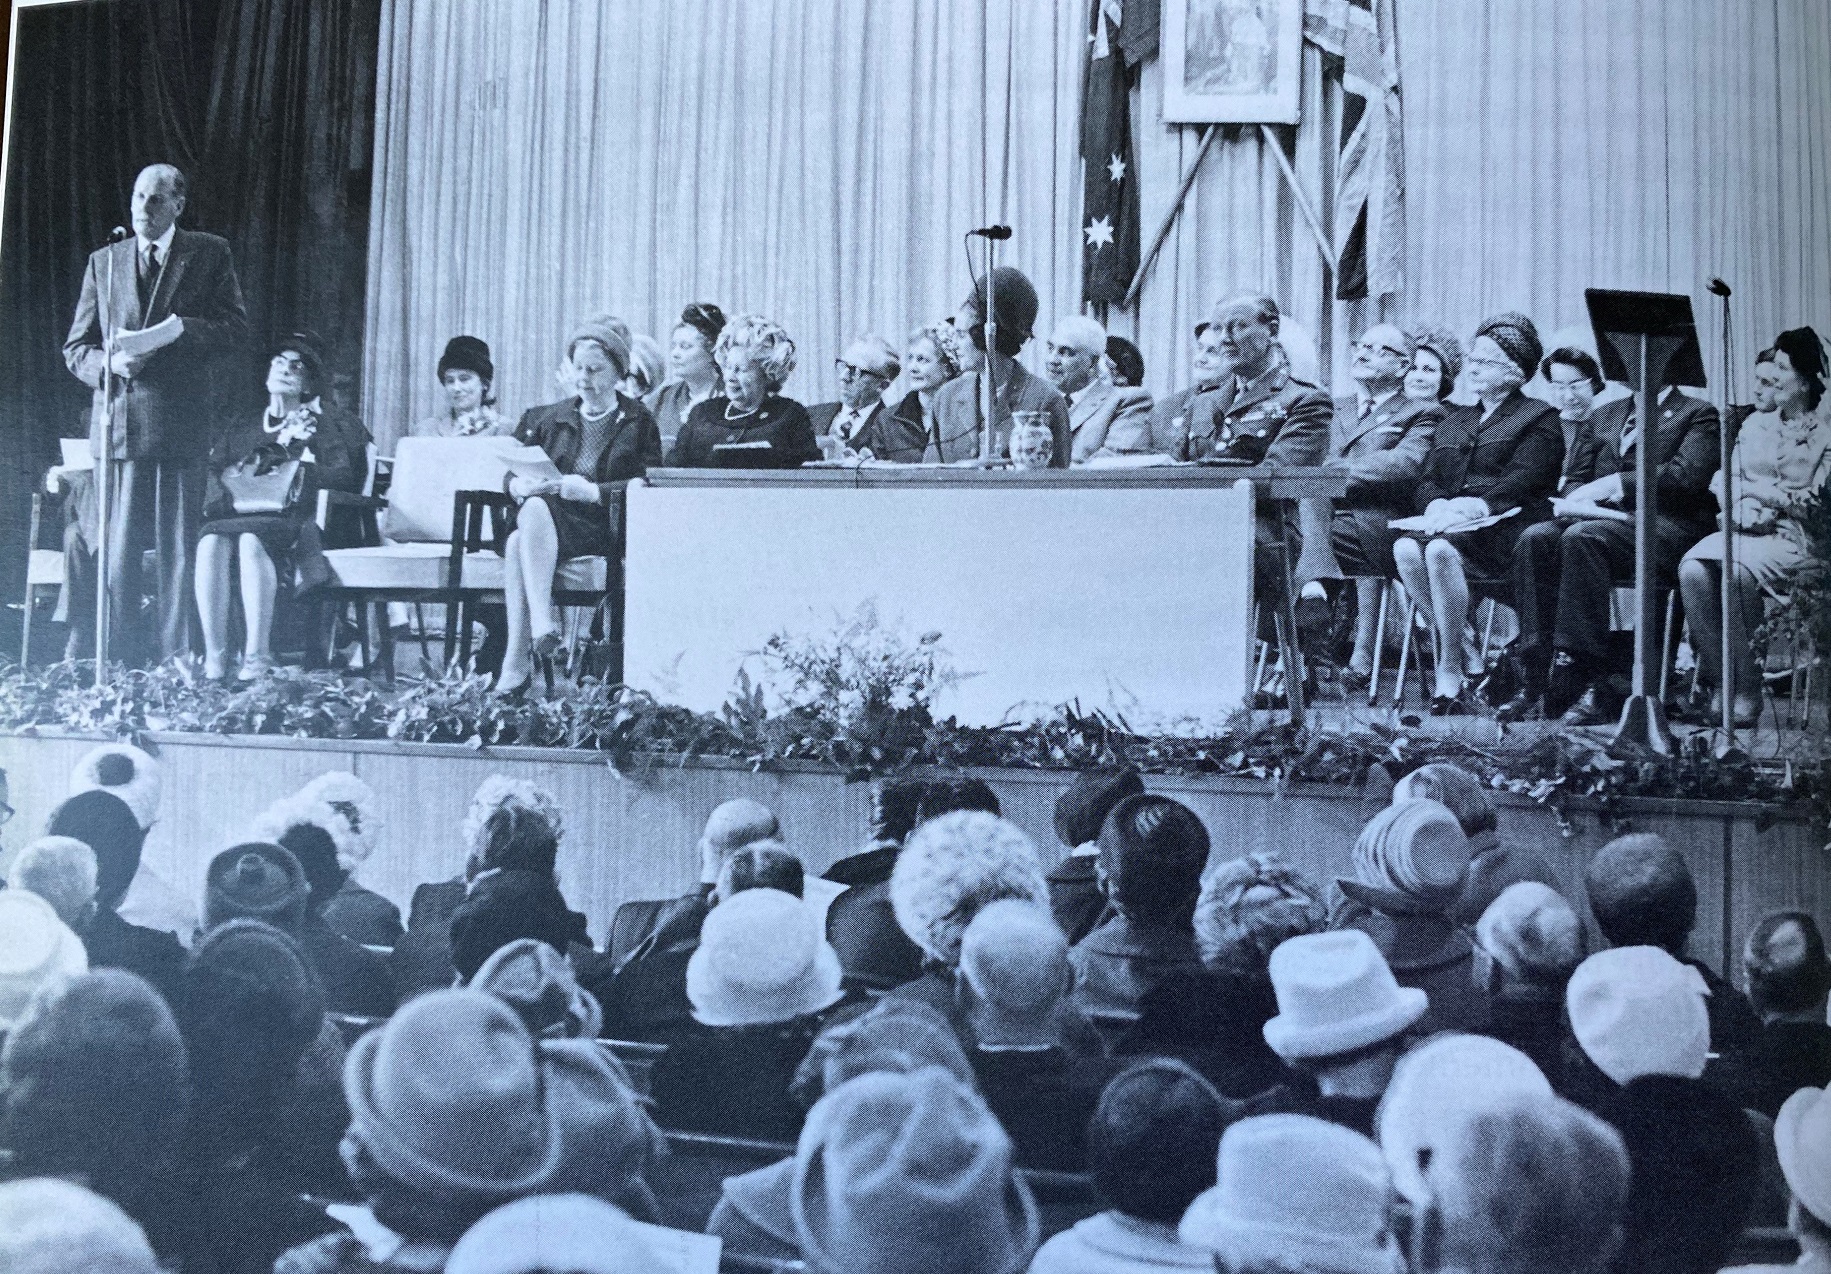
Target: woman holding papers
{"points": [[1490, 474], [1781, 461], [751, 426], [597, 441], [264, 478]]}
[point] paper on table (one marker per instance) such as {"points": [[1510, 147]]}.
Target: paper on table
{"points": [[1130, 460], [1587, 509], [141, 341], [529, 461], [1421, 525]]}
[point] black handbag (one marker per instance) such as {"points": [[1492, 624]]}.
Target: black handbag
{"points": [[256, 485]]}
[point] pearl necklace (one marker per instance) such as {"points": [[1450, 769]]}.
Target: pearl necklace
{"points": [[591, 419], [742, 414]]}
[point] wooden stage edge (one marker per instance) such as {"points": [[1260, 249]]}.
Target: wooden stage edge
{"points": [[632, 835]]}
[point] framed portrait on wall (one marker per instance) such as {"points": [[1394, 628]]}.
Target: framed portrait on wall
{"points": [[1232, 61]]}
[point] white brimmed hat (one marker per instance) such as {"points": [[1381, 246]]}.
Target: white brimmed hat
{"points": [[1436, 1088], [1298, 1193], [1336, 994], [35, 948], [1640, 1011], [1802, 1138], [761, 958]]}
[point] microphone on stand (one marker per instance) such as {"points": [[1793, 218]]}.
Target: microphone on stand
{"points": [[120, 234], [999, 233], [1718, 288]]}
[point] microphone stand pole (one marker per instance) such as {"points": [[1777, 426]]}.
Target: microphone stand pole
{"points": [[1726, 652], [104, 467], [988, 391]]}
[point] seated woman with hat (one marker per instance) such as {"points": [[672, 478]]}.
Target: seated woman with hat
{"points": [[598, 440], [468, 378]]}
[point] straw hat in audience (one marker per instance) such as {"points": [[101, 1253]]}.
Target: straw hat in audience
{"points": [[1296, 1193], [1439, 1086], [1412, 858], [446, 1098], [1639, 1011], [574, 1233], [537, 982], [36, 948], [48, 1226], [1336, 995], [761, 958], [909, 1174]]}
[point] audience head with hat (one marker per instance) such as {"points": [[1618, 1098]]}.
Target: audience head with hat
{"points": [[1503, 355], [1638, 1011], [761, 958], [1342, 1018], [1789, 975], [1799, 355], [449, 1115], [1436, 362], [515, 836], [1296, 1193], [1527, 944], [256, 881], [95, 1085], [1802, 1139], [48, 1226], [731, 826], [62, 871], [1013, 975], [498, 792], [1152, 852], [1247, 908], [122, 770], [37, 950], [107, 824], [952, 867], [908, 1174], [1462, 794], [560, 1234], [890, 1035], [1525, 1183], [249, 1006], [1435, 1089], [1081, 811], [609, 1142], [537, 982], [468, 376], [1411, 859], [503, 906]]}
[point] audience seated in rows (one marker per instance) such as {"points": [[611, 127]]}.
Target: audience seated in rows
{"points": [[1789, 978], [1527, 944], [1075, 897]]}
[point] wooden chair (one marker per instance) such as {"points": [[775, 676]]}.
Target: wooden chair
{"points": [[44, 568], [638, 1061], [688, 1179]]}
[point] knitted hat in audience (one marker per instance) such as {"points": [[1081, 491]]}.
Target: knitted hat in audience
{"points": [[36, 948], [62, 871], [609, 1141], [1532, 933], [255, 881], [610, 334], [1530, 1182], [1518, 340], [952, 866], [469, 354], [106, 824], [1296, 1193], [96, 1082], [122, 770], [1442, 343], [1082, 809], [547, 1233], [761, 958], [909, 1174], [1153, 1140], [49, 1226], [1412, 858], [1639, 1011], [1438, 1086], [1336, 994], [1248, 906], [250, 1006], [447, 1098], [1802, 1138], [1153, 850], [503, 906], [537, 982]]}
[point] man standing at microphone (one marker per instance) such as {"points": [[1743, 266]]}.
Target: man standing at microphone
{"points": [[179, 288]]}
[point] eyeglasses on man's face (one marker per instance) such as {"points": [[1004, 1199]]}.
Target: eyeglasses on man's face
{"points": [[1375, 348], [850, 371]]}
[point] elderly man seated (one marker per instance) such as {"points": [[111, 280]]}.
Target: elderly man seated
{"points": [[1382, 436], [1104, 419], [861, 421]]}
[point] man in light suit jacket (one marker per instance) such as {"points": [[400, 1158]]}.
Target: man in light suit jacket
{"points": [[158, 434], [1103, 418], [1382, 437]]}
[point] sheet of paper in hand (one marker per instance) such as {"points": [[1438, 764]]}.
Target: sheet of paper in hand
{"points": [[1423, 525], [1588, 510], [141, 341], [528, 461]]}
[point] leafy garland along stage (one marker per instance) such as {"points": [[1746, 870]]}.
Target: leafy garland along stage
{"points": [[867, 737]]}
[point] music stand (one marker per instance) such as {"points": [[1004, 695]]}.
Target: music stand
{"points": [[1647, 340]]}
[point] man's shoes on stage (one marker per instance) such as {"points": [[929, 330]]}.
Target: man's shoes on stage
{"points": [[1564, 685], [1595, 706]]}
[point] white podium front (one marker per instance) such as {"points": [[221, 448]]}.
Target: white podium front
{"points": [[1123, 591]]}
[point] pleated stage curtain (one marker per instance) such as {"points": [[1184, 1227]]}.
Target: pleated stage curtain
{"points": [[813, 160]]}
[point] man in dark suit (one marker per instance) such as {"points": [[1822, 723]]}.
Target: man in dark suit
{"points": [[158, 432], [1565, 570], [861, 420], [1382, 436]]}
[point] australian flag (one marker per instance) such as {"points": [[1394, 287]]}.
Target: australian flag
{"points": [[1109, 205]]}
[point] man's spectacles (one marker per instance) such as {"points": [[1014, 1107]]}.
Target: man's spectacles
{"points": [[1366, 348], [849, 371]]}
